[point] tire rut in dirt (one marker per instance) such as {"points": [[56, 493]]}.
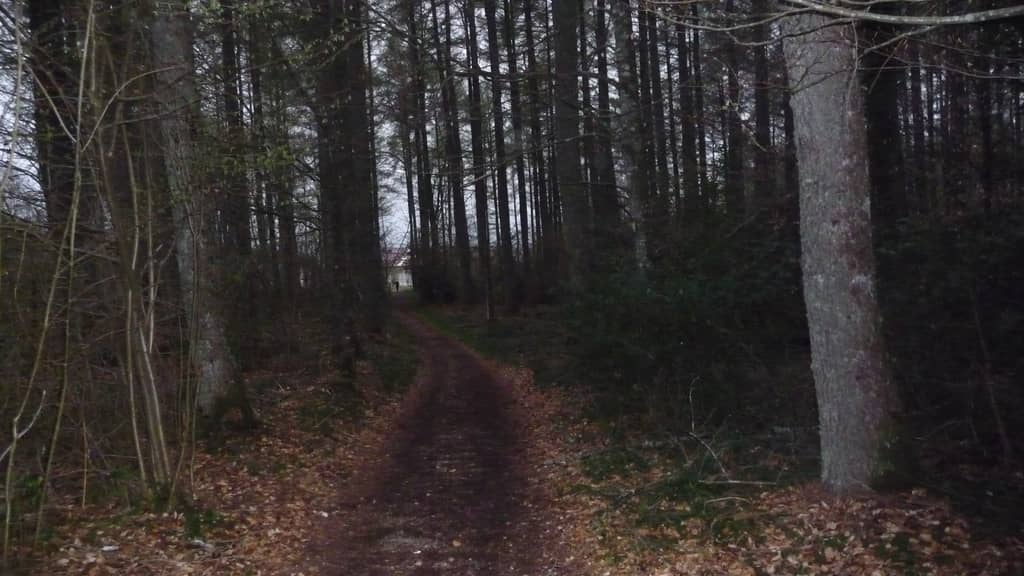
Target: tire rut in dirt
{"points": [[446, 494]]}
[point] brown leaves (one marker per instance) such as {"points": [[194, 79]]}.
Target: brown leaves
{"points": [[257, 507]]}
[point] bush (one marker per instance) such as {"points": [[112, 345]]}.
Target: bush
{"points": [[701, 335]]}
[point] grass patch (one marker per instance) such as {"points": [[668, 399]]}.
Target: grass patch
{"points": [[611, 462], [199, 521], [536, 338], [394, 358]]}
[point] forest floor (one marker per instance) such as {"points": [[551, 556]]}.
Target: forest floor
{"points": [[464, 447]]}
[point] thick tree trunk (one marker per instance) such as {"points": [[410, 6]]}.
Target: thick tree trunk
{"points": [[54, 61], [857, 400], [360, 217], [171, 45]]}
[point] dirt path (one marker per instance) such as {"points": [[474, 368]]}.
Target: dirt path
{"points": [[447, 489]]}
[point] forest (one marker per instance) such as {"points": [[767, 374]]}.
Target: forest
{"points": [[512, 287]]}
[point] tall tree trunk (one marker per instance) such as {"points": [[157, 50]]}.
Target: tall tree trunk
{"points": [[764, 167], [673, 138], [698, 108], [371, 118], [983, 97], [956, 158], [236, 199], [660, 210], [508, 269], [360, 218], [171, 49], [567, 133], [453, 145], [607, 223], [920, 176], [881, 79], [483, 229], [515, 102], [259, 149], [630, 127], [588, 140], [790, 209], [734, 189], [649, 161], [936, 184], [54, 62], [548, 244], [857, 399], [688, 132], [426, 244]]}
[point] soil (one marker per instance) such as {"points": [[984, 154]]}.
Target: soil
{"points": [[452, 486]]}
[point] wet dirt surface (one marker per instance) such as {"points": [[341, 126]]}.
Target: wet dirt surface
{"points": [[447, 489]]}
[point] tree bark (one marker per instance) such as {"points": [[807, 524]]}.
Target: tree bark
{"points": [[171, 46], [857, 400]]}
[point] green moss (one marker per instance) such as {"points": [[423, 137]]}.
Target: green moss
{"points": [[614, 461]]}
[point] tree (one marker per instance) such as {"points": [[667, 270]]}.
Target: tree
{"points": [[630, 128], [734, 188], [453, 144], [171, 46], [483, 230], [567, 132], [858, 405], [764, 169], [506, 254]]}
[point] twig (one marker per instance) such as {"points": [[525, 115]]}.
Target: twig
{"points": [[19, 434]]}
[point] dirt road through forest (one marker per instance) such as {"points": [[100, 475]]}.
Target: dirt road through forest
{"points": [[447, 489]]}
